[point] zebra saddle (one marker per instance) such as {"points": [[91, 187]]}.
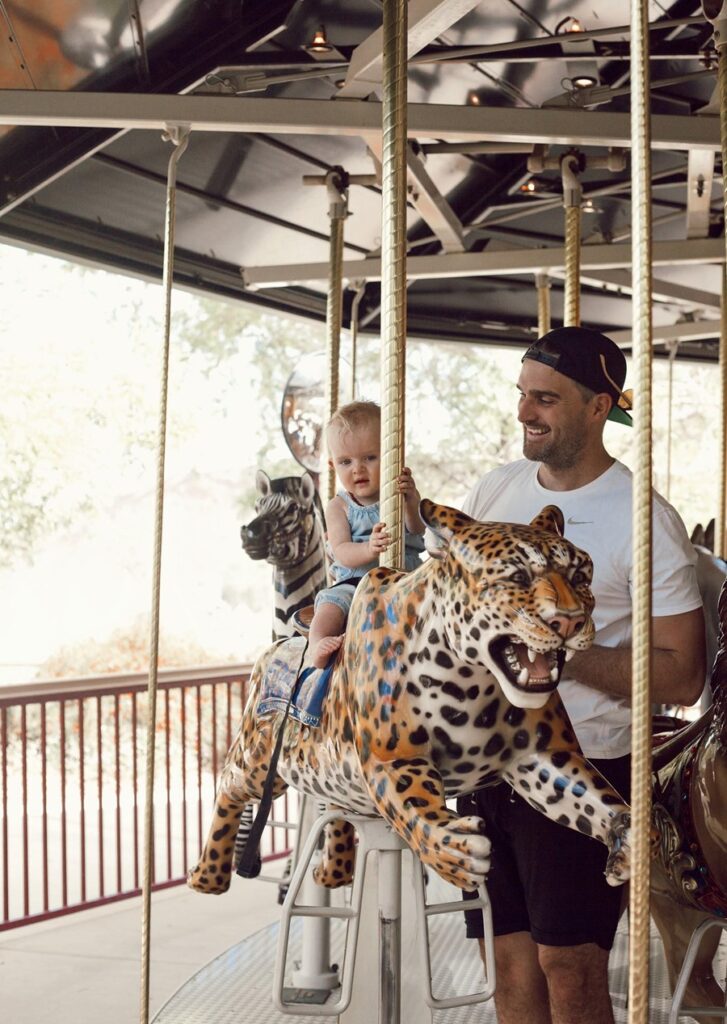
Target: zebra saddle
{"points": [[284, 684], [302, 619]]}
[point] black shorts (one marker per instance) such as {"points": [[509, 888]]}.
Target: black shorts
{"points": [[545, 878]]}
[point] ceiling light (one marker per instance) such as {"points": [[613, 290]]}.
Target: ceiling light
{"points": [[319, 43], [531, 186], [584, 81], [473, 98], [569, 24]]}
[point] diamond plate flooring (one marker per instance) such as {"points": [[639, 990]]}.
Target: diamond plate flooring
{"points": [[235, 988]]}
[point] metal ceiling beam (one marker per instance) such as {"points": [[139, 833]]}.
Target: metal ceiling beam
{"points": [[323, 117], [700, 176], [690, 330], [427, 19], [662, 291], [425, 197], [492, 263]]}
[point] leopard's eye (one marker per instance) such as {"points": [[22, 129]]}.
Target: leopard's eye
{"points": [[520, 577], [579, 578]]}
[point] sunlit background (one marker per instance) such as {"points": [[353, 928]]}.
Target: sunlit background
{"points": [[80, 358]]}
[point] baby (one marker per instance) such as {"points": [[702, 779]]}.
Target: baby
{"points": [[355, 535]]}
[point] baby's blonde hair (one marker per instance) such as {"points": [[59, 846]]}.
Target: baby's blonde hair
{"points": [[355, 415]]}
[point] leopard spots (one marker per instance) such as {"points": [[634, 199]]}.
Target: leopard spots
{"points": [[446, 682]]}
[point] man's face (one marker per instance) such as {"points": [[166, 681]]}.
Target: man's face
{"points": [[553, 414]]}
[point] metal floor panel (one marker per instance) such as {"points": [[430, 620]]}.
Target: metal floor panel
{"points": [[235, 988]]}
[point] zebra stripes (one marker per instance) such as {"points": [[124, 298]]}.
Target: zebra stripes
{"points": [[288, 531]]}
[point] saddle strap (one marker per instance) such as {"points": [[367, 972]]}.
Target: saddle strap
{"points": [[249, 864]]}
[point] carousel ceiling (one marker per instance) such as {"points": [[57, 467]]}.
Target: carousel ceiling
{"points": [[499, 91]]}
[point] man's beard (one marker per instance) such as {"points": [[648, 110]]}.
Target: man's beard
{"points": [[557, 454]]}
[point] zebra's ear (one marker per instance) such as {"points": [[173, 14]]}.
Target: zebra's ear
{"points": [[262, 482], [307, 488]]}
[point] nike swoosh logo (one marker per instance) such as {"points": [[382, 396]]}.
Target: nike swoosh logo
{"points": [[579, 522]]}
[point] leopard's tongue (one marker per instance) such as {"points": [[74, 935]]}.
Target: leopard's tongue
{"points": [[537, 669]]}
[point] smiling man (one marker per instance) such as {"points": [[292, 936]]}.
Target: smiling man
{"points": [[554, 915]]}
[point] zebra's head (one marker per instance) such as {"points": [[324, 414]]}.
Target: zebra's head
{"points": [[284, 526]]}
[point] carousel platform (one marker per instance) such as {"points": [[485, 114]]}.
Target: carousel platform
{"points": [[235, 988]]}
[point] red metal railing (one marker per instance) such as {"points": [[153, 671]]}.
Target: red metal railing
{"points": [[71, 780]]}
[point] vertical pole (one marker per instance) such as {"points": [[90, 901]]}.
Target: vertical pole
{"points": [[543, 284], [716, 13], [360, 287], [720, 524], [673, 348], [641, 653], [336, 186], [389, 936], [572, 196], [393, 273], [180, 138]]}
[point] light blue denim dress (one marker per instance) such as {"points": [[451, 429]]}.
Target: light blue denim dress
{"points": [[361, 521]]}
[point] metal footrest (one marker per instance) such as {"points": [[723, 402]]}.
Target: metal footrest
{"points": [[374, 834], [677, 1009], [424, 912]]}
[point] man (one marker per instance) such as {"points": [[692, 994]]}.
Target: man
{"points": [[554, 915]]}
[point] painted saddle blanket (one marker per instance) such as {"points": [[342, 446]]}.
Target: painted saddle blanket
{"points": [[283, 678]]}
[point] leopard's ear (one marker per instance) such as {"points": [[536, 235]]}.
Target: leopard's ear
{"points": [[442, 523], [551, 519]]}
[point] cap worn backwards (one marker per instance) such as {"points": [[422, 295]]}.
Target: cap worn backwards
{"points": [[589, 358]]}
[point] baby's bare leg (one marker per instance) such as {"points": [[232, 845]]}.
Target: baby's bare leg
{"points": [[326, 633]]}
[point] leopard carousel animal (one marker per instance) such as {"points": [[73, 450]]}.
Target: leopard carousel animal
{"points": [[446, 682]]}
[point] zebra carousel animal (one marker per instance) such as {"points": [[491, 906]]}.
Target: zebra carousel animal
{"points": [[288, 532]]}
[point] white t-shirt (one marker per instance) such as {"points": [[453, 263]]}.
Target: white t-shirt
{"points": [[598, 520]]}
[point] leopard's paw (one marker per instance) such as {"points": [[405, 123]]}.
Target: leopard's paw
{"points": [[618, 865]]}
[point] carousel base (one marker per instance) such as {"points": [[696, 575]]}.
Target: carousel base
{"points": [[235, 988]]}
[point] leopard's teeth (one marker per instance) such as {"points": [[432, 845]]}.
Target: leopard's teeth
{"points": [[554, 675], [532, 655], [569, 655], [523, 677]]}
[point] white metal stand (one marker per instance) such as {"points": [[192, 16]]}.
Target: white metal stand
{"points": [[404, 974], [685, 973]]}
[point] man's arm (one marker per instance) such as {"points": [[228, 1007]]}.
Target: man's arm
{"points": [[677, 669]]}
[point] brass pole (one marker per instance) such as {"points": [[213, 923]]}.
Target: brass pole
{"points": [[641, 653], [543, 283], [572, 196], [393, 274], [720, 524], [673, 348], [337, 188], [360, 287], [180, 138]]}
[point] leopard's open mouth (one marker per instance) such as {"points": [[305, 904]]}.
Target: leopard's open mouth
{"points": [[526, 669]]}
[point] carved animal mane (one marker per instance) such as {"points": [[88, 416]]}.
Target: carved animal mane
{"points": [[288, 531]]}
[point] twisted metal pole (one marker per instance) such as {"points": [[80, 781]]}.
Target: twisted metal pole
{"points": [[360, 287], [393, 274], [716, 12], [543, 284], [572, 196], [720, 524], [641, 653], [179, 137], [336, 185], [673, 348]]}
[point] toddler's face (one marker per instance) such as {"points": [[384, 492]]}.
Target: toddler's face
{"points": [[355, 456]]}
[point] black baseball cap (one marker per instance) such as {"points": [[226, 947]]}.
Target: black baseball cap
{"points": [[589, 358]]}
